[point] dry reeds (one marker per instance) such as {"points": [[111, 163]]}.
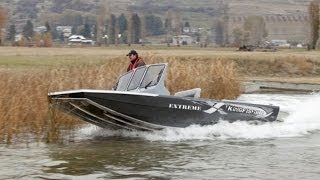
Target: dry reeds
{"points": [[278, 66], [217, 79], [24, 107]]}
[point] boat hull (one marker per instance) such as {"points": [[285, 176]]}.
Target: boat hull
{"points": [[148, 112]]}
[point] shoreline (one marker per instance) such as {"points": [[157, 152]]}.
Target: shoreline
{"points": [[254, 86]]}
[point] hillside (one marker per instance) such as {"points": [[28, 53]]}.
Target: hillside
{"points": [[199, 13]]}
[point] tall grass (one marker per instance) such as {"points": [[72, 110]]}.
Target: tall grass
{"points": [[287, 66], [218, 79], [24, 107]]}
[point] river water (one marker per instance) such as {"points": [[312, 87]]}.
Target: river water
{"points": [[281, 150]]}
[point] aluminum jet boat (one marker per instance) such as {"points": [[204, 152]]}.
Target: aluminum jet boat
{"points": [[140, 101]]}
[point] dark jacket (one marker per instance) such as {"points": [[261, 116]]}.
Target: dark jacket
{"points": [[136, 63]]}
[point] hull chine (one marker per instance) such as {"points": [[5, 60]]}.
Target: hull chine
{"points": [[101, 116]]}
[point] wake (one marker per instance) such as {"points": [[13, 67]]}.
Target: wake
{"points": [[300, 116]]}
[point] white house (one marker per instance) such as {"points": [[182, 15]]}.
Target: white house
{"points": [[40, 29], [280, 43], [76, 38], [65, 30], [79, 39], [182, 40]]}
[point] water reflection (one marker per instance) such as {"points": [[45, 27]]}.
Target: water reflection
{"points": [[117, 158], [135, 158]]}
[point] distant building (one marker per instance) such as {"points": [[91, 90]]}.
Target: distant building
{"points": [[182, 40], [189, 30], [18, 37], [76, 38], [79, 40], [40, 29], [278, 42], [66, 31]]}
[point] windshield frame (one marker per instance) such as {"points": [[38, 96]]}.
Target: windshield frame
{"points": [[148, 76]]}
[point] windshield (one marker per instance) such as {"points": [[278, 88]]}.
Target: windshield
{"points": [[152, 76], [141, 77], [123, 81], [136, 79]]}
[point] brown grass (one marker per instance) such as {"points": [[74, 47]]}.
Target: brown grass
{"points": [[216, 78], [289, 66], [24, 105]]}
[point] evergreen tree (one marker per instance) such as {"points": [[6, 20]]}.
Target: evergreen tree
{"points": [[86, 31], [123, 23], [186, 24], [154, 25], [48, 26], [28, 30], [12, 33], [61, 37], [123, 28], [54, 33], [94, 31], [136, 28], [112, 29], [74, 30]]}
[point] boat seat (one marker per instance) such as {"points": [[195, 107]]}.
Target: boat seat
{"points": [[195, 93]]}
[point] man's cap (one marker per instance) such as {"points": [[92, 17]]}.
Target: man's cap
{"points": [[132, 52]]}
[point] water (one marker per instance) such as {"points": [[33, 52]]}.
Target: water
{"points": [[281, 150]]}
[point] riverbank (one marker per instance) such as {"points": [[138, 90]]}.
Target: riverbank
{"points": [[258, 86]]}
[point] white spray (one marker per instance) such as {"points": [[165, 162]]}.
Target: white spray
{"points": [[302, 117]]}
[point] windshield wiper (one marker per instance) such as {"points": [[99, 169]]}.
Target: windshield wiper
{"points": [[148, 84], [157, 77]]}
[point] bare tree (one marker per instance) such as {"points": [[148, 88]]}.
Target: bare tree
{"points": [[47, 39], [220, 33], [168, 25], [314, 23], [226, 24], [177, 26], [256, 27], [143, 29], [173, 26], [116, 30], [3, 20], [129, 33], [101, 19], [237, 35]]}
